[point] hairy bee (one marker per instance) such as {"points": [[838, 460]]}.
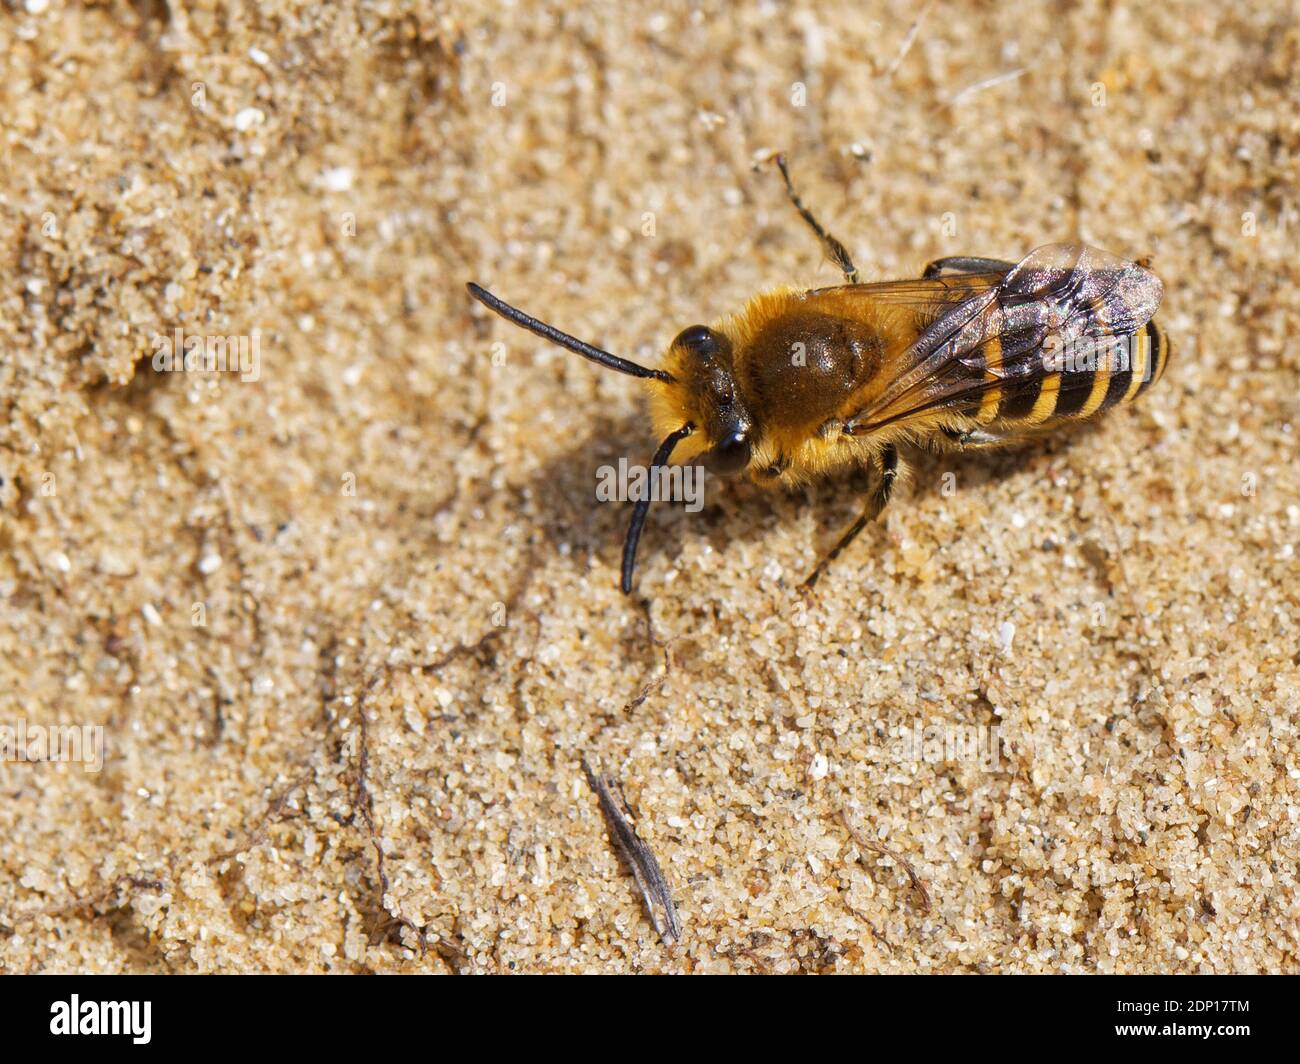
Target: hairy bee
{"points": [[978, 352]]}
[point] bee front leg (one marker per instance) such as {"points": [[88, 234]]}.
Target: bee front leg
{"points": [[879, 499], [834, 249]]}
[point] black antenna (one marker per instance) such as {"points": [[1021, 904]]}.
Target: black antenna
{"points": [[643, 504], [549, 332]]}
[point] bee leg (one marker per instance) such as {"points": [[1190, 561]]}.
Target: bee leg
{"points": [[966, 264], [833, 248], [973, 437], [875, 505]]}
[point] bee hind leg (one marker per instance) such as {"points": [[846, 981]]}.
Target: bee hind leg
{"points": [[966, 264], [972, 438], [876, 503], [833, 248]]}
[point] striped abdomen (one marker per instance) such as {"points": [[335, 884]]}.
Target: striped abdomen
{"points": [[1087, 384]]}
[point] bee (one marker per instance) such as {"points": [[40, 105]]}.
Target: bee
{"points": [[976, 353]]}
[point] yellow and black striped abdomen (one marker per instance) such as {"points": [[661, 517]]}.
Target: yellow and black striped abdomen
{"points": [[1083, 388]]}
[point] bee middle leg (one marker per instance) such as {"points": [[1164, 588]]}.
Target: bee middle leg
{"points": [[879, 499], [966, 264], [833, 248]]}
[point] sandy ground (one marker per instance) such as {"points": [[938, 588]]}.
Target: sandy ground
{"points": [[350, 628]]}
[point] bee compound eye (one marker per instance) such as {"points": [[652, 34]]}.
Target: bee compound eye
{"points": [[729, 455], [700, 340]]}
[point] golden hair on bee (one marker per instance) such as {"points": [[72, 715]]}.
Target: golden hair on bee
{"points": [[977, 352]]}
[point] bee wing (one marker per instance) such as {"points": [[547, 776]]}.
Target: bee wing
{"points": [[932, 294], [994, 337]]}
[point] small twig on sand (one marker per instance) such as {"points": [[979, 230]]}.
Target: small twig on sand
{"points": [[653, 685], [987, 83], [922, 895], [649, 878], [908, 41]]}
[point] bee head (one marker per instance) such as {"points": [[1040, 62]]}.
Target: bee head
{"points": [[703, 394], [693, 397]]}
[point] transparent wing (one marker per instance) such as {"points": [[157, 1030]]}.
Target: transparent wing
{"points": [[934, 293], [995, 337]]}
